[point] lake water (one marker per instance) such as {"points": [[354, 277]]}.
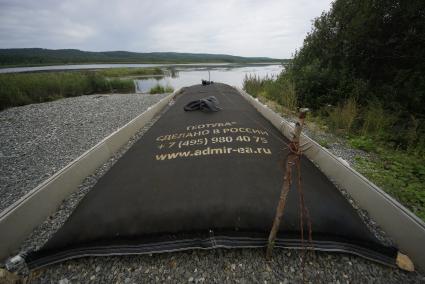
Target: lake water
{"points": [[183, 75], [190, 76], [95, 66]]}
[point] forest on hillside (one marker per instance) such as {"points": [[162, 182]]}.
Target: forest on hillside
{"points": [[40, 56]]}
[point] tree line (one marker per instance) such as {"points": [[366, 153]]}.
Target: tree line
{"points": [[40, 56], [370, 53]]}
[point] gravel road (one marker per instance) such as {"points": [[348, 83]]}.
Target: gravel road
{"points": [[57, 132]]}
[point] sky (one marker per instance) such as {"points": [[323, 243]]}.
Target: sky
{"points": [[272, 28]]}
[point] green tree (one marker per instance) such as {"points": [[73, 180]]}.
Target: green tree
{"points": [[369, 50]]}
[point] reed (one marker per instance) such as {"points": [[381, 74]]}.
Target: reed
{"points": [[25, 88], [122, 72], [158, 89]]}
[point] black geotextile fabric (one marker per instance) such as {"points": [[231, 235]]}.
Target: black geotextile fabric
{"points": [[203, 180]]}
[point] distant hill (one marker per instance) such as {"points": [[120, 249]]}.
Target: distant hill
{"points": [[40, 56]]}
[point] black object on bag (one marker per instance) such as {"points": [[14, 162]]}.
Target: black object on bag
{"points": [[206, 104]]}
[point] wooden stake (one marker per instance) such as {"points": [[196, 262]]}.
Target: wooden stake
{"points": [[281, 205], [402, 260], [290, 161]]}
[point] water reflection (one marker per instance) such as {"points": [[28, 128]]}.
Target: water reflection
{"points": [[97, 66], [182, 77]]}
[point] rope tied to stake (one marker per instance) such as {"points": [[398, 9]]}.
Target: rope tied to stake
{"points": [[293, 158], [209, 104]]}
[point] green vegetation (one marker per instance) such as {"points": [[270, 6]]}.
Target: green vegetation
{"points": [[25, 88], [158, 89], [39, 56], [122, 72], [363, 143], [323, 142], [400, 174], [362, 72], [369, 52], [280, 90]]}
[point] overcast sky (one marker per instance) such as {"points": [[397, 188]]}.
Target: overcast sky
{"points": [[273, 28]]}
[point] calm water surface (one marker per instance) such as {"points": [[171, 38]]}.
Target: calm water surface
{"points": [[183, 74], [95, 66], [190, 76]]}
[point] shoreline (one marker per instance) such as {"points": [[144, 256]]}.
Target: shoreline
{"points": [[78, 67]]}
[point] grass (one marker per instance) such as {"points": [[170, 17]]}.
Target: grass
{"points": [[122, 72], [158, 89], [399, 174], [120, 85], [363, 143], [341, 117], [399, 171], [323, 142], [280, 90], [26, 88]]}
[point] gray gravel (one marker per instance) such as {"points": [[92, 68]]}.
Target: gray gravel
{"points": [[212, 266], [43, 232], [39, 139], [224, 266]]}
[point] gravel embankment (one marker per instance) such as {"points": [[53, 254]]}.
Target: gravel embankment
{"points": [[39, 139], [223, 266], [212, 266], [43, 232]]}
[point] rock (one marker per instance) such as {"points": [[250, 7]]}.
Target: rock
{"points": [[344, 162], [64, 281]]}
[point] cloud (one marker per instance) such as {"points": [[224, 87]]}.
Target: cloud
{"points": [[272, 28]]}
